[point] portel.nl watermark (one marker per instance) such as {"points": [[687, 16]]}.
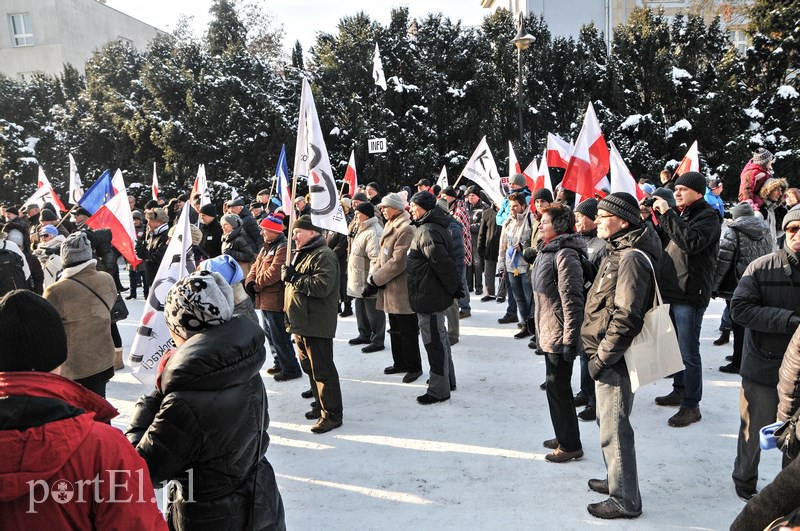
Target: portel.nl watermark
{"points": [[116, 486]]}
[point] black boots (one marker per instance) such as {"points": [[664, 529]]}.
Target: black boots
{"points": [[724, 338]]}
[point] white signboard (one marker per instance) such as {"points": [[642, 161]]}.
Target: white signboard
{"points": [[377, 145]]}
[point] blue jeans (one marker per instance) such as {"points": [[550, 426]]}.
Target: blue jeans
{"points": [[587, 384], [463, 302], [511, 308], [726, 323], [280, 339], [614, 406], [688, 320], [522, 289]]}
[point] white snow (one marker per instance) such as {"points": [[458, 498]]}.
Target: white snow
{"points": [[335, 131], [754, 113], [477, 461], [678, 74], [787, 92], [632, 121], [680, 125]]}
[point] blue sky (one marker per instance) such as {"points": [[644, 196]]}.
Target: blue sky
{"points": [[301, 18]]}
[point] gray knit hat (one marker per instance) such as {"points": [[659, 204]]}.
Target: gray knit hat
{"points": [[761, 156], [587, 207], [198, 301], [792, 215], [233, 220], [693, 180], [393, 200], [742, 209], [667, 195], [623, 205], [76, 249], [517, 179]]}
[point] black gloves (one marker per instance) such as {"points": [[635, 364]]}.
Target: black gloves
{"points": [[289, 274], [595, 367], [250, 288], [459, 292], [370, 290], [568, 353], [529, 254]]}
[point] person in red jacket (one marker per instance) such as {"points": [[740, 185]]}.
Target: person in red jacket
{"points": [[63, 465]]}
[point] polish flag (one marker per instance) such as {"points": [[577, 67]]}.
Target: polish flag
{"points": [[116, 216], [598, 188], [350, 175], [558, 151], [513, 164], [117, 183], [531, 173], [43, 183], [590, 159], [200, 186], [155, 182], [621, 178], [691, 162], [544, 174]]}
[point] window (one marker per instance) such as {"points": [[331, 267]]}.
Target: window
{"points": [[739, 40], [126, 42], [21, 30]]}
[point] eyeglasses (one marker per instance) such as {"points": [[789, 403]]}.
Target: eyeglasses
{"points": [[45, 235], [603, 216], [792, 229]]}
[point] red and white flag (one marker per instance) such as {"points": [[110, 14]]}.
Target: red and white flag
{"points": [[531, 173], [350, 175], [311, 162], [691, 162], [442, 180], [514, 166], [155, 182], [152, 339], [544, 174], [117, 183], [590, 159], [75, 185], [200, 186], [116, 216], [45, 194], [621, 178], [558, 151]]}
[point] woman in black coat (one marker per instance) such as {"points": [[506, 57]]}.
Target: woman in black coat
{"points": [[205, 424]]}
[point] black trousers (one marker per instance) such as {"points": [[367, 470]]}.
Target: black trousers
{"points": [[404, 336], [316, 360], [560, 401]]}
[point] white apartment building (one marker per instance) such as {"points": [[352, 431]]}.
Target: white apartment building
{"points": [[43, 35]]}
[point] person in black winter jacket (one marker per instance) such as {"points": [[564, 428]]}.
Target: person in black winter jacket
{"points": [[237, 243], [211, 242], [205, 425], [154, 246], [687, 270], [432, 285], [488, 249], [249, 223]]}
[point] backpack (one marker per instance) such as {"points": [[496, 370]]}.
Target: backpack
{"points": [[589, 272], [12, 274]]}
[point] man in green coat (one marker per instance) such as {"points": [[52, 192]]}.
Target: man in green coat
{"points": [[311, 302]]}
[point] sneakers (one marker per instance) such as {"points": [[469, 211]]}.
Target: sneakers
{"points": [[559, 455], [391, 369], [507, 318], [730, 368], [599, 485], [588, 414], [307, 394], [274, 370], [487, 298], [283, 377], [581, 400], [745, 494], [684, 417], [325, 425], [359, 341], [412, 377], [672, 399], [427, 399], [609, 510], [464, 314], [372, 348], [724, 337], [551, 444]]}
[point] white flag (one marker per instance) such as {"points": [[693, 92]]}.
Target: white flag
{"points": [[75, 185], [482, 170], [234, 193], [312, 163], [200, 186], [442, 181], [152, 339], [377, 69], [622, 180]]}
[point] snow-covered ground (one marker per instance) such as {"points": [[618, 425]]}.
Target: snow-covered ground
{"points": [[477, 461]]}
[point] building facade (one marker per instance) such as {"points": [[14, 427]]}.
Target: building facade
{"points": [[44, 35]]}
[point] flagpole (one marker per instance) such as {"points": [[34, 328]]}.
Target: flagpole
{"points": [[272, 186], [65, 216], [291, 222]]}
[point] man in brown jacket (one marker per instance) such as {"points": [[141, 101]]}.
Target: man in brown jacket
{"points": [[390, 281], [264, 281]]}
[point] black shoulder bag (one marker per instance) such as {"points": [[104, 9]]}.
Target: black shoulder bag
{"points": [[118, 312]]}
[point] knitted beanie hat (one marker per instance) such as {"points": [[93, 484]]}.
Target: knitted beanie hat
{"points": [[393, 201], [304, 222], [588, 207], [667, 195], [623, 205], [208, 210], [198, 301], [693, 180], [32, 336], [49, 230], [761, 156], [424, 200], [368, 209], [226, 266], [273, 222], [518, 180], [48, 215], [543, 193], [76, 249], [233, 220], [742, 209], [792, 215]]}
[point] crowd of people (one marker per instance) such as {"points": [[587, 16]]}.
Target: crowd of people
{"points": [[576, 277]]}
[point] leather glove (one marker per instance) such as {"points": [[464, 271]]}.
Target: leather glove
{"points": [[370, 290], [459, 293], [250, 288], [596, 367], [289, 274], [568, 353], [529, 254]]}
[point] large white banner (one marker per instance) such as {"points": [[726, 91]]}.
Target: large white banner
{"points": [[482, 170]]}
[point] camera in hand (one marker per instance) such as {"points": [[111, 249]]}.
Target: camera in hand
{"points": [[649, 202]]}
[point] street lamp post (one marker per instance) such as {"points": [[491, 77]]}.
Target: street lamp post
{"points": [[522, 41]]}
